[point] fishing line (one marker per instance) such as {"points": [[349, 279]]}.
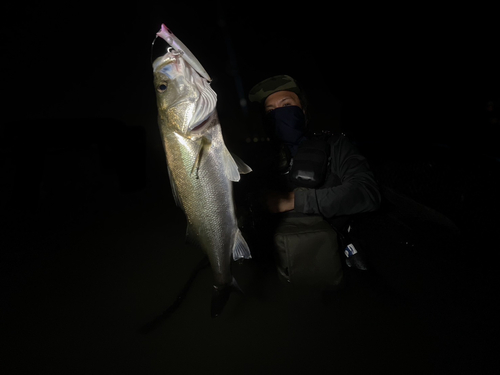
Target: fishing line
{"points": [[152, 46]]}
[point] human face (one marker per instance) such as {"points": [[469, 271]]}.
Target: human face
{"points": [[281, 99]]}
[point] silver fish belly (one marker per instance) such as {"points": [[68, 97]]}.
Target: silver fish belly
{"points": [[205, 194], [201, 169]]}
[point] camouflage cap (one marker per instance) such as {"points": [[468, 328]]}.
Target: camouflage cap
{"points": [[269, 86]]}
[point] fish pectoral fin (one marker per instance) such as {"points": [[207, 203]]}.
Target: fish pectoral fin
{"points": [[242, 167], [240, 248], [203, 144]]}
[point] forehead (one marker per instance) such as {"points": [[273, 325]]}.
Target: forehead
{"points": [[281, 95]]}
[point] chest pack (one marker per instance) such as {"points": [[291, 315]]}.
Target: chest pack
{"points": [[310, 163]]}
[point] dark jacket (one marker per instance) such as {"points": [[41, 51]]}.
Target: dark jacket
{"points": [[349, 187]]}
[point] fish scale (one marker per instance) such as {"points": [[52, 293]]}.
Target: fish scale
{"points": [[205, 200]]}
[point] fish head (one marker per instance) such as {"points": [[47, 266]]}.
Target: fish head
{"points": [[185, 99]]}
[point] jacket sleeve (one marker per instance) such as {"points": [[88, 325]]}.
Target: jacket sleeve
{"points": [[357, 192]]}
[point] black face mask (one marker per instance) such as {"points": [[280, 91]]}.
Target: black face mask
{"points": [[288, 125]]}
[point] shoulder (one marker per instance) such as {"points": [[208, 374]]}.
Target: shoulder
{"points": [[338, 142], [341, 141], [343, 149]]}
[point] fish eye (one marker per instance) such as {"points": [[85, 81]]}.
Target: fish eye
{"points": [[162, 87]]}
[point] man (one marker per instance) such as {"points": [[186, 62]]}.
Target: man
{"points": [[349, 187], [309, 192]]}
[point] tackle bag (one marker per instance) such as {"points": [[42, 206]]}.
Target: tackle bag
{"points": [[307, 252]]}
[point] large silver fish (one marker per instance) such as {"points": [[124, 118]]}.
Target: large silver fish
{"points": [[201, 169]]}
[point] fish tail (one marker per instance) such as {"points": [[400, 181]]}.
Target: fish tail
{"points": [[241, 249]]}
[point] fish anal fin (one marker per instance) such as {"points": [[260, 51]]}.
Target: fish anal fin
{"points": [[240, 248], [242, 167], [230, 166]]}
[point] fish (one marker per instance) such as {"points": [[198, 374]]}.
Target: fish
{"points": [[200, 167]]}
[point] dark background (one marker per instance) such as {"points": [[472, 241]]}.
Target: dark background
{"points": [[92, 244], [409, 71]]}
